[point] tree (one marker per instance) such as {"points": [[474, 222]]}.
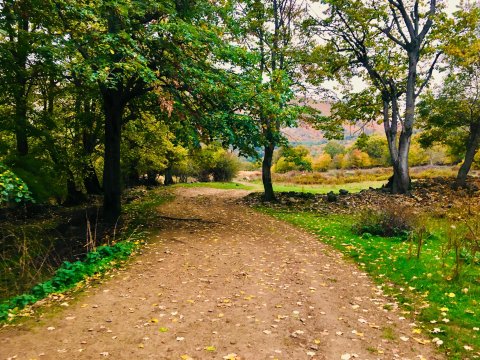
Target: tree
{"points": [[269, 29], [294, 158], [25, 53], [375, 146], [322, 163], [128, 49], [334, 148], [385, 43], [452, 115]]}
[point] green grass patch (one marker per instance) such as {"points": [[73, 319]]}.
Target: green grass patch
{"points": [[319, 188], [216, 185], [323, 189], [449, 308]]}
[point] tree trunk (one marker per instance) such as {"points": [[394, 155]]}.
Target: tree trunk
{"points": [[401, 177], [113, 108], [21, 122], [168, 176], [269, 195], [471, 149], [74, 196], [90, 180]]}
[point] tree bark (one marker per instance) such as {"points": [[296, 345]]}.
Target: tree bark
{"points": [[471, 149], [168, 176], [269, 195], [21, 124], [20, 92], [90, 180], [114, 109]]}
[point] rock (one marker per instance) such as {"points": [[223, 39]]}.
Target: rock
{"points": [[331, 197], [343, 192]]}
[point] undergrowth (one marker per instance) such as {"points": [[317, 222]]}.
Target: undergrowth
{"points": [[116, 249]]}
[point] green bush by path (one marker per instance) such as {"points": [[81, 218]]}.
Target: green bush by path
{"points": [[69, 274], [449, 308]]}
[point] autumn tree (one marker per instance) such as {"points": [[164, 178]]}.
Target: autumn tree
{"points": [[451, 115], [390, 45], [268, 29]]}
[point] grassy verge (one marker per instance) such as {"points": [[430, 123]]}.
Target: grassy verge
{"points": [[323, 189], [216, 185], [112, 254], [448, 308]]}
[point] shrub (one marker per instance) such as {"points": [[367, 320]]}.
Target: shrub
{"points": [[389, 221], [12, 188], [358, 159], [225, 167], [322, 162], [215, 162], [295, 158]]}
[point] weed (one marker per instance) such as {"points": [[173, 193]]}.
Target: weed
{"points": [[389, 221], [388, 333]]}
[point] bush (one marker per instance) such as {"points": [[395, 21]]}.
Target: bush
{"points": [[392, 220], [296, 158], [322, 162], [358, 159], [225, 167], [213, 162], [12, 188]]}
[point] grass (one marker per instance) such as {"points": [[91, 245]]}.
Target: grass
{"points": [[319, 189], [216, 185], [449, 309], [323, 189], [285, 187]]}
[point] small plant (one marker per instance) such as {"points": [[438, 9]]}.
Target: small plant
{"points": [[389, 221], [418, 236], [69, 274], [463, 238], [12, 188]]}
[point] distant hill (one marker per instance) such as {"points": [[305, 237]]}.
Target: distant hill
{"points": [[306, 135]]}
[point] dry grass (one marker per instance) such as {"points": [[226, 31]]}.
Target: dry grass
{"points": [[339, 177]]}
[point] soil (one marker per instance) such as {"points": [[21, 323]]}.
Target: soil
{"points": [[221, 281]]}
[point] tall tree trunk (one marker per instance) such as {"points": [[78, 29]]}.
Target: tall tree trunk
{"points": [[168, 176], [269, 195], [74, 196], [90, 180], [113, 108], [20, 92], [471, 149], [401, 176], [21, 124]]}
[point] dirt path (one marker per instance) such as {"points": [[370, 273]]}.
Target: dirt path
{"points": [[230, 281]]}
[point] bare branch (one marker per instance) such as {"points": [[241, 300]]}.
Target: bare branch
{"points": [[429, 74]]}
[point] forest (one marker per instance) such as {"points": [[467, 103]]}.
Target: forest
{"points": [[131, 127]]}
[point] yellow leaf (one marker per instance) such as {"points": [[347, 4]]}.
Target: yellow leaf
{"points": [[417, 331], [451, 295], [154, 320], [210, 348]]}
